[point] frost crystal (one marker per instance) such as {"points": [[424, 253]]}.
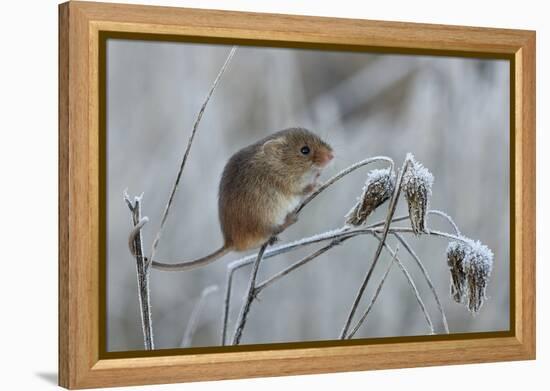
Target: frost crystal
{"points": [[470, 263], [417, 187], [378, 189]]}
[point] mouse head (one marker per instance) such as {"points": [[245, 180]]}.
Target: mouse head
{"points": [[298, 150]]}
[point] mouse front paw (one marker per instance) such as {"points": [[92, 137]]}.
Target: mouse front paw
{"points": [[290, 219], [309, 188], [273, 240]]}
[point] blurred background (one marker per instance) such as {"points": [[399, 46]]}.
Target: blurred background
{"points": [[452, 113]]}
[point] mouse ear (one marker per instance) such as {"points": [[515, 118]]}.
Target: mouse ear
{"points": [[272, 145]]}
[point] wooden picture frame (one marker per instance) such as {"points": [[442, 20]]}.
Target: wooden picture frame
{"points": [[82, 360]]}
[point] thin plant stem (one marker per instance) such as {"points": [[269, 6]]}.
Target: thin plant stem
{"points": [[391, 211], [227, 302], [195, 314], [412, 284], [407, 247], [134, 233], [251, 292], [446, 217], [430, 233], [376, 293], [382, 222], [142, 272], [187, 150]]}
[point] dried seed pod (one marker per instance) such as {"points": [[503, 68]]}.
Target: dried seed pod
{"points": [[417, 188], [378, 189], [456, 254], [470, 263], [478, 270]]}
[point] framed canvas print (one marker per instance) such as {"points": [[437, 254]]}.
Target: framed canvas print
{"points": [[249, 195]]}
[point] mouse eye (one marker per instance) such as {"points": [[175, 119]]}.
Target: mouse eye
{"points": [[305, 150]]}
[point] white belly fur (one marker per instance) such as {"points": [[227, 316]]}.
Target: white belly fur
{"points": [[285, 205], [310, 177]]}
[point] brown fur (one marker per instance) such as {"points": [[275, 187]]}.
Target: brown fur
{"points": [[258, 177]]}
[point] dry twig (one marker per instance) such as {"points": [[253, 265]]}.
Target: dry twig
{"points": [[426, 276], [194, 318], [250, 294], [374, 297], [136, 247]]}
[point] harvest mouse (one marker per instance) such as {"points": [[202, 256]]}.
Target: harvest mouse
{"points": [[260, 188]]}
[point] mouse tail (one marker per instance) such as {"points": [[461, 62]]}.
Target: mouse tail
{"points": [[188, 265]]}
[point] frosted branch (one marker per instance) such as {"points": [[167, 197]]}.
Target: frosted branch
{"points": [[226, 303], [142, 271], [407, 247], [446, 217], [195, 314], [374, 297], [405, 272], [251, 293], [411, 283]]}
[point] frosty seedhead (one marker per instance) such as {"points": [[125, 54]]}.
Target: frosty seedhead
{"points": [[456, 254], [417, 187], [470, 263], [378, 189]]}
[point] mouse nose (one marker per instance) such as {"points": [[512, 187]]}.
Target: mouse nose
{"points": [[325, 158]]}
